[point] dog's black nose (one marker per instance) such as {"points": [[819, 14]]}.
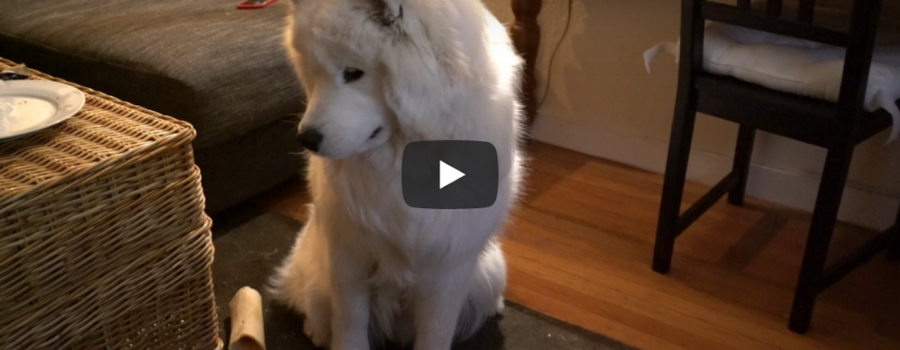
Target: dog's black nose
{"points": [[311, 139]]}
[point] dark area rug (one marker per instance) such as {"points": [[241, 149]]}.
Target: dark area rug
{"points": [[250, 244]]}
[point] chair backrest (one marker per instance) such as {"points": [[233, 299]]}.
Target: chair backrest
{"points": [[859, 40], [774, 9], [799, 27]]}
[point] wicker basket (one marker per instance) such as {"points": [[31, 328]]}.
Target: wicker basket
{"points": [[103, 239]]}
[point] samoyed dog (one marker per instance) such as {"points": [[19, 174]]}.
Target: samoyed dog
{"points": [[378, 75]]}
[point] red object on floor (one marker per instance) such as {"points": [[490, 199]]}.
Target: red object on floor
{"points": [[254, 4]]}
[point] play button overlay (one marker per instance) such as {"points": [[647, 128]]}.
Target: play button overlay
{"points": [[450, 174]]}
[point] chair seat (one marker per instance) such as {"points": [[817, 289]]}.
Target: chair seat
{"points": [[799, 117], [799, 67]]}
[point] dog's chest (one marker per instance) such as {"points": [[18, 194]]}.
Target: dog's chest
{"points": [[369, 202], [391, 267]]}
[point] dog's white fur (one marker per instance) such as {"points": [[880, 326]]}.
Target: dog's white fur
{"points": [[367, 266]]}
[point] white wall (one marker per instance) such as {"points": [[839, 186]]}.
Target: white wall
{"points": [[601, 102]]}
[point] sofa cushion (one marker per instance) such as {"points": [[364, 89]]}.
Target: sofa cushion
{"points": [[203, 61]]}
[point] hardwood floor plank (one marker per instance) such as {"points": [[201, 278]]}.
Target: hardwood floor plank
{"points": [[670, 316], [580, 248], [536, 282], [560, 307], [662, 299]]}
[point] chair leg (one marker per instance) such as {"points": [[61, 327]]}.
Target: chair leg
{"points": [[742, 155], [690, 67], [828, 201], [673, 185]]}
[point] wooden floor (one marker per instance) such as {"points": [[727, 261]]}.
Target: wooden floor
{"points": [[579, 249]]}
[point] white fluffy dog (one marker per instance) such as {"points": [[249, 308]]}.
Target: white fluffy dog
{"points": [[380, 74]]}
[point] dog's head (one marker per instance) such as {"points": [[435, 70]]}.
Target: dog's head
{"points": [[365, 63]]}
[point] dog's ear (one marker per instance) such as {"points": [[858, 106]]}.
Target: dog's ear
{"points": [[427, 59], [387, 12]]}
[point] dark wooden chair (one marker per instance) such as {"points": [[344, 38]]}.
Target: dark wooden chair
{"points": [[838, 127]]}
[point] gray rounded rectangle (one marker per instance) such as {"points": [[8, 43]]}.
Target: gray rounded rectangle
{"points": [[420, 174]]}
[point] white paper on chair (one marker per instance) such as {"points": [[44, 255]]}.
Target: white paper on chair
{"points": [[793, 65]]}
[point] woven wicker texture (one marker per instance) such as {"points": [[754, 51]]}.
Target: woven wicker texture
{"points": [[103, 239]]}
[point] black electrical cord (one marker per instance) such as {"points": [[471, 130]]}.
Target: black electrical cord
{"points": [[553, 55]]}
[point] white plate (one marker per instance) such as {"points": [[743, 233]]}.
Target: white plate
{"points": [[27, 106]]}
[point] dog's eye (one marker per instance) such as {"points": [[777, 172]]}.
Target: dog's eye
{"points": [[352, 74]]}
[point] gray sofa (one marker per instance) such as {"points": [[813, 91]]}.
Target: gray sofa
{"points": [[203, 61]]}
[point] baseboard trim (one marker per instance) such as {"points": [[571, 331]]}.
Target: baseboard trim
{"points": [[860, 206]]}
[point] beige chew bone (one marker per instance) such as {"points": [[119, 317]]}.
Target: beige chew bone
{"points": [[247, 321]]}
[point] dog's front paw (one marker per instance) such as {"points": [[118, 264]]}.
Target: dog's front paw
{"points": [[320, 337]]}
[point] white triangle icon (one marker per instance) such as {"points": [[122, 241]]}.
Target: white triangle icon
{"points": [[448, 174]]}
